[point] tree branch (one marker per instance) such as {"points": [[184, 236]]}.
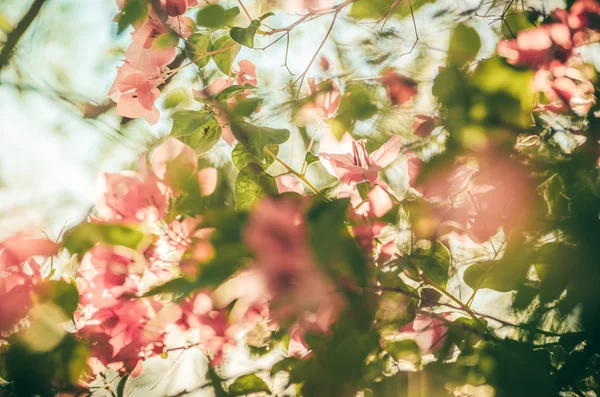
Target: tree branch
{"points": [[13, 37]]}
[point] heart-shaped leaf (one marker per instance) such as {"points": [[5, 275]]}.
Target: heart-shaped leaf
{"points": [[252, 184], [197, 129], [228, 49], [245, 36], [197, 47], [216, 17], [255, 138]]}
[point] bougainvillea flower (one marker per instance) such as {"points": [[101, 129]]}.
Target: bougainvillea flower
{"points": [[174, 8], [442, 185], [246, 73], [173, 158], [424, 125], [544, 46], [349, 161], [15, 299], [142, 53], [323, 101], [288, 183], [15, 250], [277, 235], [130, 196], [364, 214], [135, 93], [584, 14], [400, 89], [428, 332]]}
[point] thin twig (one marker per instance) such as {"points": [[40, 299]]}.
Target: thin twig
{"points": [[13, 37]]}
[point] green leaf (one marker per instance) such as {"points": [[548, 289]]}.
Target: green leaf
{"points": [[434, 263], [251, 184], [197, 129], [244, 107], [464, 45], [134, 11], [404, 350], [267, 15], [287, 365], [310, 158], [255, 138], [216, 17], [332, 245], [177, 287], [224, 59], [165, 40], [176, 98], [248, 384], [197, 46], [121, 386], [245, 36], [232, 91], [84, 236], [63, 295], [491, 275], [241, 157]]}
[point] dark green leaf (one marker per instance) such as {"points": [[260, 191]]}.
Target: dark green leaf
{"points": [[121, 386], [232, 91], [216, 17], [252, 184], [310, 158], [84, 236], [197, 48], [464, 45], [255, 138], [248, 384], [197, 129], [245, 36]]}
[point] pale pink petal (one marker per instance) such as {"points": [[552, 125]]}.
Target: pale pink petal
{"points": [[380, 202], [387, 152], [288, 183], [173, 152], [208, 180], [246, 73]]}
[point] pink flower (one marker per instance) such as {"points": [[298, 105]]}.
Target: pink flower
{"points": [[176, 164], [16, 250], [288, 183], [424, 125], [364, 214], [442, 186], [246, 74], [584, 14], [174, 7], [324, 100], [131, 197], [141, 53], [15, 299], [428, 332], [135, 93], [276, 234], [544, 46], [349, 161], [400, 89]]}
